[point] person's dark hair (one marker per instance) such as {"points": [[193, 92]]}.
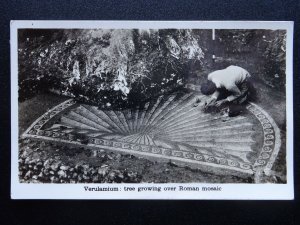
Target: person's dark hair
{"points": [[208, 88]]}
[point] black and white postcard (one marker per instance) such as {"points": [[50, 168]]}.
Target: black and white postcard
{"points": [[151, 110]]}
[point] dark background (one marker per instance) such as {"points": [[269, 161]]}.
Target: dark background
{"points": [[140, 212]]}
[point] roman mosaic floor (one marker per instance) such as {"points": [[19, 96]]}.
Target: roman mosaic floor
{"points": [[168, 128]]}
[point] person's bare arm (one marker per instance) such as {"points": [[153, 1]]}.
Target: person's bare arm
{"points": [[235, 93], [212, 99], [216, 94]]}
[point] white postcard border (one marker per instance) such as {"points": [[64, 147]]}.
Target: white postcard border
{"points": [[216, 191]]}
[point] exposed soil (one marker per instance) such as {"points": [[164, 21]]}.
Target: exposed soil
{"points": [[33, 108]]}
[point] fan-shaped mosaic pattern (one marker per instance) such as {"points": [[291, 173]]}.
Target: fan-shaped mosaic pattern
{"points": [[168, 127]]}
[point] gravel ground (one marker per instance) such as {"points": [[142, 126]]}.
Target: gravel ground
{"points": [[39, 166]]}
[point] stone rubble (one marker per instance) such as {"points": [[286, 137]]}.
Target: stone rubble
{"points": [[34, 169]]}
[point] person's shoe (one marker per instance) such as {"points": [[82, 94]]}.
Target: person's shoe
{"points": [[235, 111]]}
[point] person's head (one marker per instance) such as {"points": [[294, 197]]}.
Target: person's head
{"points": [[208, 87]]}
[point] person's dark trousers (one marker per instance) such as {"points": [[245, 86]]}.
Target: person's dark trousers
{"points": [[237, 106]]}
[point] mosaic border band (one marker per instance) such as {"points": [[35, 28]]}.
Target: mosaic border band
{"points": [[272, 138]]}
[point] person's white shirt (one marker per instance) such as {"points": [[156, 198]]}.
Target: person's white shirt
{"points": [[229, 78]]}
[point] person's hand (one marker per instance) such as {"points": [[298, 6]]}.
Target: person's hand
{"points": [[221, 102], [197, 102], [210, 102]]}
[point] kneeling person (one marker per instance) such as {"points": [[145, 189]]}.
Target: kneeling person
{"points": [[229, 86]]}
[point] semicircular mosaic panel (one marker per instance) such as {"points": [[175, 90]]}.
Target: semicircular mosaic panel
{"points": [[168, 127]]}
